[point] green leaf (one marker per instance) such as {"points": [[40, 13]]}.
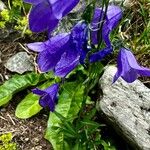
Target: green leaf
{"points": [[90, 123], [29, 106], [68, 106], [78, 146], [18, 83]]}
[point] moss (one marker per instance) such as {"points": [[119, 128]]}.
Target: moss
{"points": [[6, 142]]}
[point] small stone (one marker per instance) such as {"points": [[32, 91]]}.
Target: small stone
{"points": [[35, 141], [37, 148], [40, 128], [7, 77], [20, 63], [3, 110], [127, 108], [26, 139]]}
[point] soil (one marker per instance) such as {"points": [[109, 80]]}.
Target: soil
{"points": [[29, 133]]}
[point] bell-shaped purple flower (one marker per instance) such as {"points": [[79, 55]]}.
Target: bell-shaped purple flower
{"points": [[108, 23], [128, 68], [41, 17], [62, 52], [48, 97], [45, 14]]}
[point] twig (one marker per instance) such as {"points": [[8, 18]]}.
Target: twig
{"points": [[11, 119]]}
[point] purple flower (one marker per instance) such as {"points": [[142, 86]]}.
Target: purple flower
{"points": [[62, 52], [45, 14], [41, 17], [128, 68], [48, 97], [111, 20]]}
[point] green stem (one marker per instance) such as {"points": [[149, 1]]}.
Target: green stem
{"points": [[102, 18], [9, 6]]}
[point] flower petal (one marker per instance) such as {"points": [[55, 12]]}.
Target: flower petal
{"points": [[83, 54], [97, 18], [34, 2], [62, 7], [45, 101], [55, 42], [144, 71], [98, 56], [54, 48], [105, 35], [79, 35], [114, 15], [41, 18], [49, 100], [37, 46], [134, 64], [52, 90], [131, 58], [47, 60], [38, 91], [119, 68], [96, 23], [67, 63], [129, 74]]}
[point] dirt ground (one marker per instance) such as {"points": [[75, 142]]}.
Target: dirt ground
{"points": [[28, 134]]}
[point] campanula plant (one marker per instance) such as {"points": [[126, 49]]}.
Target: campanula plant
{"points": [[73, 62]]}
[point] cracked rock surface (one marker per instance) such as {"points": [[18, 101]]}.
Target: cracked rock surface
{"points": [[20, 63], [127, 108], [2, 6]]}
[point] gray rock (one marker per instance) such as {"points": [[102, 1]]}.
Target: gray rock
{"points": [[2, 6], [127, 108], [20, 63], [126, 3]]}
